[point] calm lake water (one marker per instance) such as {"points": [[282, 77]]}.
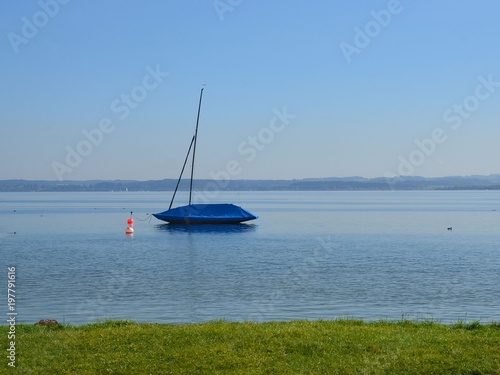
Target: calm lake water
{"points": [[310, 255]]}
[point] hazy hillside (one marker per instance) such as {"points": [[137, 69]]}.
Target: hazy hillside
{"points": [[491, 182]]}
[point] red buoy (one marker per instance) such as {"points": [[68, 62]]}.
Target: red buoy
{"points": [[130, 223]]}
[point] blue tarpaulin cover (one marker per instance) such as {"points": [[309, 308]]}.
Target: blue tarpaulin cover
{"points": [[206, 214]]}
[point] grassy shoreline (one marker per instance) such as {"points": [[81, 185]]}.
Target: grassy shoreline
{"points": [[297, 347]]}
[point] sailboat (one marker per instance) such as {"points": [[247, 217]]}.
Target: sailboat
{"points": [[202, 213]]}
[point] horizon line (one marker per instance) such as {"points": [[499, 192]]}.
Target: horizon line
{"points": [[261, 179]]}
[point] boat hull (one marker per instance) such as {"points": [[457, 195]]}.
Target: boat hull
{"points": [[206, 214]]}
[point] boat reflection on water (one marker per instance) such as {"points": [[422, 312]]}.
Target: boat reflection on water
{"points": [[207, 228]]}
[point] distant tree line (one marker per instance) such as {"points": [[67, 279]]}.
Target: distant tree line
{"points": [[491, 182]]}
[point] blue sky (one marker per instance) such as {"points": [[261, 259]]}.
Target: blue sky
{"points": [[294, 89]]}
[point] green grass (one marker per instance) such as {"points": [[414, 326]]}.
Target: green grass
{"points": [[298, 347]]}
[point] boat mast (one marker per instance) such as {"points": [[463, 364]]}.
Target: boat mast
{"points": [[194, 147]]}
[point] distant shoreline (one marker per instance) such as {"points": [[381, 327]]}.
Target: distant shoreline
{"points": [[491, 182]]}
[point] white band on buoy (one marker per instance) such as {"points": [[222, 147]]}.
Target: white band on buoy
{"points": [[130, 223]]}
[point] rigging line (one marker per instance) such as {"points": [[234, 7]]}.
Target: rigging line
{"points": [[182, 172]]}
